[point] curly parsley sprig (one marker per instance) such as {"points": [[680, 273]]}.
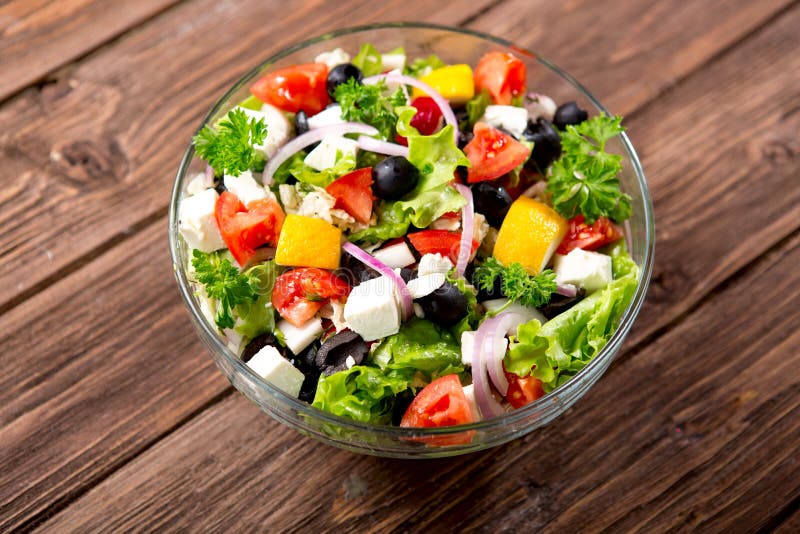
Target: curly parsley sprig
{"points": [[516, 284], [366, 103], [230, 148], [225, 284], [585, 179]]}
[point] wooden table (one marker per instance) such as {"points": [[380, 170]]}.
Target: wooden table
{"points": [[112, 416]]}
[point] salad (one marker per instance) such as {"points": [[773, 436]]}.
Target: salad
{"points": [[409, 242]]}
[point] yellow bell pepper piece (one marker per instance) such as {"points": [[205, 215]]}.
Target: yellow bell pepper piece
{"points": [[453, 82], [529, 235], [308, 242]]}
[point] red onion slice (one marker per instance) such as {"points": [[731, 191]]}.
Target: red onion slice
{"points": [[487, 404], [371, 144], [494, 347], [309, 138], [568, 290], [447, 111], [467, 229], [367, 259]]}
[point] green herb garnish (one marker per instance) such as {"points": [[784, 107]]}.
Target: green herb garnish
{"points": [[224, 283], [366, 103], [229, 147], [517, 285]]}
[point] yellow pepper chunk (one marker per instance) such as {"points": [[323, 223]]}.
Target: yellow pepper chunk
{"points": [[529, 235], [453, 82], [308, 242]]}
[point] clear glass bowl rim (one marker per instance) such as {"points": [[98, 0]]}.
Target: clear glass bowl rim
{"points": [[494, 423]]}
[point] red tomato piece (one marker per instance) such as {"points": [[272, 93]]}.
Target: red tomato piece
{"points": [[301, 87], [244, 229], [440, 403], [502, 75], [353, 193], [441, 242], [492, 154], [298, 294], [588, 236], [522, 391]]}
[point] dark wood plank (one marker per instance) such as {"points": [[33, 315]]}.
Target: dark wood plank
{"points": [[767, 109], [118, 157], [39, 36], [701, 429], [791, 525]]}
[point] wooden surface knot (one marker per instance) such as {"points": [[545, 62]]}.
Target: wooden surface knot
{"points": [[91, 164]]}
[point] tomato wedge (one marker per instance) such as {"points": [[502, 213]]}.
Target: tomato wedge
{"points": [[440, 403], [522, 391], [502, 75], [353, 193], [301, 87], [298, 294], [492, 154], [244, 229], [588, 236], [441, 242]]}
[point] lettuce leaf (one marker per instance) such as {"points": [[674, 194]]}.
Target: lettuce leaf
{"points": [[295, 166], [423, 65], [258, 317], [362, 393], [565, 344], [369, 60], [419, 347]]}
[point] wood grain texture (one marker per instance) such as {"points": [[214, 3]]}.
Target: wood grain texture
{"points": [[712, 171], [125, 114], [39, 36], [701, 429]]}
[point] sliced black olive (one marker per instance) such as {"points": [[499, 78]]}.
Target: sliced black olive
{"points": [[305, 362], [401, 403], [446, 306], [300, 122], [332, 355], [492, 201], [560, 303], [546, 145], [354, 272], [407, 274], [394, 177], [259, 342], [340, 74], [495, 292], [464, 137], [219, 186], [569, 113]]}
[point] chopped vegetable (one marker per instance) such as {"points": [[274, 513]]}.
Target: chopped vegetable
{"points": [[516, 283], [308, 242], [353, 193], [502, 75], [493, 153], [369, 60], [230, 148], [224, 283], [245, 228], [453, 82], [299, 293], [476, 108], [440, 403], [589, 236], [585, 179], [422, 66], [292, 89], [361, 393], [529, 235], [366, 103], [420, 346]]}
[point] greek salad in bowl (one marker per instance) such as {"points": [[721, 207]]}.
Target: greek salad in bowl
{"points": [[400, 241]]}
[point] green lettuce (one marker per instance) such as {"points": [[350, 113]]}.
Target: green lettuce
{"points": [[436, 157], [362, 393], [369, 60], [476, 107], [258, 317], [419, 347], [423, 65], [566, 343], [295, 166]]}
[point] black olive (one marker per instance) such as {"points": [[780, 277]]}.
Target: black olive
{"points": [[560, 303], [464, 137], [354, 271], [401, 403], [219, 186], [332, 355], [407, 274], [496, 292], [546, 145], [300, 122], [446, 306], [259, 342], [305, 362], [394, 177], [492, 201], [340, 74], [568, 113]]}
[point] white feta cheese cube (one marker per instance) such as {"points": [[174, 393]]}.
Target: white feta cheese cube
{"points": [[589, 270], [329, 150], [277, 370], [422, 286], [469, 393], [526, 312], [512, 119], [197, 222], [326, 117], [245, 187], [434, 263], [372, 310], [278, 128], [298, 338], [467, 347], [541, 106], [393, 61], [199, 183], [395, 256], [337, 56]]}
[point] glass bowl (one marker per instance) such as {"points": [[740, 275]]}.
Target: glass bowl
{"points": [[453, 45]]}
